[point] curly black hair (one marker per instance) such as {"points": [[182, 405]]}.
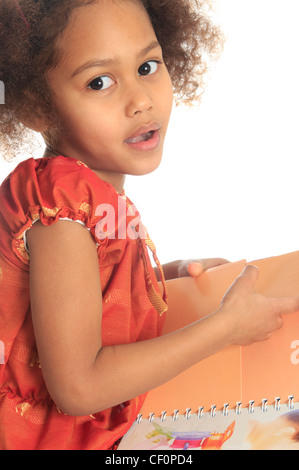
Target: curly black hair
{"points": [[29, 30]]}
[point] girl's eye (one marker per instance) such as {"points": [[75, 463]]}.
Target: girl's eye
{"points": [[149, 67], [101, 83]]}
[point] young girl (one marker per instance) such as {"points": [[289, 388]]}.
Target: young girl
{"points": [[81, 313]]}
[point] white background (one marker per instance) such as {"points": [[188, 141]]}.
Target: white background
{"points": [[228, 183]]}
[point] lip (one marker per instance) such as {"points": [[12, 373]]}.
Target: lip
{"points": [[151, 143], [153, 126]]}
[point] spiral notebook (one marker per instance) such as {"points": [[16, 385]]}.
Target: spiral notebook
{"points": [[260, 379]]}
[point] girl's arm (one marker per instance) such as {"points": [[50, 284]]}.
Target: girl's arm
{"points": [[66, 303]]}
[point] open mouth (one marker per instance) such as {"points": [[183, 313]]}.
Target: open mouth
{"points": [[141, 138], [146, 138]]}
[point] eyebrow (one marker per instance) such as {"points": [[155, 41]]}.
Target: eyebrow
{"points": [[105, 62]]}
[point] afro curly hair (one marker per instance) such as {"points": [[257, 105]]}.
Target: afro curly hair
{"points": [[29, 31]]}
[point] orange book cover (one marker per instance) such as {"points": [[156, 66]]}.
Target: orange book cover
{"points": [[264, 370]]}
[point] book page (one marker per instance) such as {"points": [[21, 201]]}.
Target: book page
{"points": [[266, 369], [267, 428]]}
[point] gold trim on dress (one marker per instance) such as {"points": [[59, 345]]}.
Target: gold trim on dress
{"points": [[159, 303], [85, 207], [50, 212], [24, 408]]}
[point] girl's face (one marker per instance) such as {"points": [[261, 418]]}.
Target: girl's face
{"points": [[112, 90]]}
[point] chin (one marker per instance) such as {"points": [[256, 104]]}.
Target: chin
{"points": [[144, 172], [147, 167]]}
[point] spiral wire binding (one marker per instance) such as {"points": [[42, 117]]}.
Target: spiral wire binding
{"points": [[225, 410]]}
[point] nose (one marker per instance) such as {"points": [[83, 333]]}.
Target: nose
{"points": [[138, 100]]}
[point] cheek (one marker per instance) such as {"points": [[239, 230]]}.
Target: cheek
{"points": [[167, 96], [166, 106], [86, 121]]}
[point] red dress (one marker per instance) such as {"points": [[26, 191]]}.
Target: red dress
{"points": [[50, 189]]}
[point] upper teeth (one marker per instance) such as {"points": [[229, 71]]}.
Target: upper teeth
{"points": [[140, 138]]}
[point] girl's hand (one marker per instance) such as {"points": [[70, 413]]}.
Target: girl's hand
{"points": [[197, 267], [183, 268], [251, 316]]}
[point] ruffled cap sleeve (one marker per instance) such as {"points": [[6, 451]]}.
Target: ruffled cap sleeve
{"points": [[50, 189]]}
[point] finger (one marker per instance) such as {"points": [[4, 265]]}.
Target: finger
{"points": [[250, 273], [211, 262], [195, 269], [246, 279], [287, 305]]}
